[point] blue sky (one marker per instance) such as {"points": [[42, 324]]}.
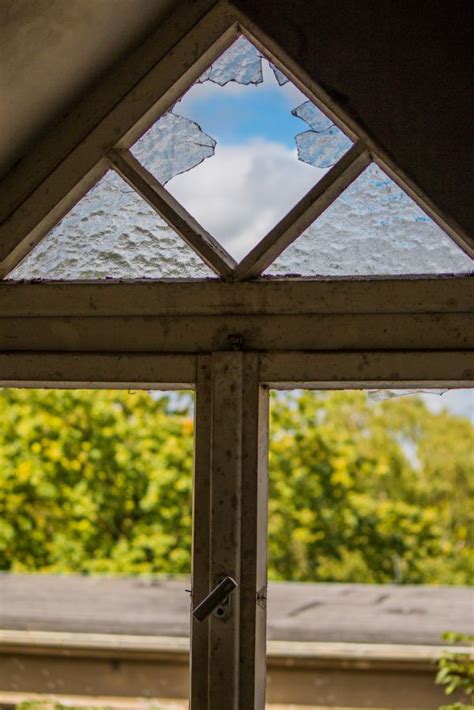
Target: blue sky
{"points": [[255, 176], [235, 114]]}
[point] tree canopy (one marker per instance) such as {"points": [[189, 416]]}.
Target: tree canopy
{"points": [[101, 481]]}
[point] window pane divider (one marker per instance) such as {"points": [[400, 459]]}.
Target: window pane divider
{"points": [[203, 243], [311, 206]]}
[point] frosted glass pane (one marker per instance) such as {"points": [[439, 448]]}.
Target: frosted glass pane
{"points": [[241, 63], [111, 234], [241, 147], [373, 228], [173, 145]]}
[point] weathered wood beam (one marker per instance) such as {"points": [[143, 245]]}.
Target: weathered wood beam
{"points": [[377, 370], [349, 675], [122, 370], [200, 334], [200, 297]]}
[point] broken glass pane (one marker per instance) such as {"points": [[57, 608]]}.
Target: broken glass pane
{"points": [[372, 228], [279, 76], [376, 396], [325, 143], [173, 145], [241, 115], [111, 234], [241, 63], [313, 116]]}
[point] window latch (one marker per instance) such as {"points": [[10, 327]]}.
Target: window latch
{"points": [[217, 602]]}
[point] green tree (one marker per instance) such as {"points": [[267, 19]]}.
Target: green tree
{"points": [[100, 481], [94, 481], [369, 493]]}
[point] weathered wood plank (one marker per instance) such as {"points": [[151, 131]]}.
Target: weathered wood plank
{"points": [[193, 334], [410, 615], [122, 370], [368, 369], [390, 295]]}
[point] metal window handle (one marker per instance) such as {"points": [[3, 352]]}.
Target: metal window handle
{"points": [[217, 602]]}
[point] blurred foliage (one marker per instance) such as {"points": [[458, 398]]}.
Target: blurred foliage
{"points": [[456, 670], [363, 492], [101, 482]]}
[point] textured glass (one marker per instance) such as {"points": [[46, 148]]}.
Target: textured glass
{"points": [[241, 115], [111, 234], [173, 145], [279, 76], [313, 116], [372, 228], [241, 63], [325, 143]]}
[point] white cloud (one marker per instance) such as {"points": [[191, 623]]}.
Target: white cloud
{"points": [[459, 402], [243, 191]]}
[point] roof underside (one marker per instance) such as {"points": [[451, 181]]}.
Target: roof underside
{"points": [[398, 70]]}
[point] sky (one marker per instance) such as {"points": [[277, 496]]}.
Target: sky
{"points": [[232, 194]]}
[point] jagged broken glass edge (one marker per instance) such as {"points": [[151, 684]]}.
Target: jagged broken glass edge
{"points": [[376, 396], [176, 144], [372, 234], [173, 145], [111, 233], [281, 78], [323, 149], [313, 116], [241, 63]]}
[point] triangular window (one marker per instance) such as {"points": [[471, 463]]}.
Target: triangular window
{"points": [[259, 180], [241, 147], [373, 228], [112, 233]]}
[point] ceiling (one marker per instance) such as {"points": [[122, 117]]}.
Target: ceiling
{"points": [[52, 51]]}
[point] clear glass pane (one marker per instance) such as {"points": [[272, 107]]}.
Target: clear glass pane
{"points": [[111, 234], [372, 228], [371, 537], [241, 147]]}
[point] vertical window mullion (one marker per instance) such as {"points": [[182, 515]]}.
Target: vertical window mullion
{"points": [[230, 513]]}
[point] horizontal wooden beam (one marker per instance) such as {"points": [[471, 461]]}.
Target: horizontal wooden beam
{"points": [[264, 297], [279, 370], [120, 371], [200, 334], [349, 675], [378, 370]]}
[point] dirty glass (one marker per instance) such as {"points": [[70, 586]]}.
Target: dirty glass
{"points": [[372, 228], [241, 147], [111, 234]]}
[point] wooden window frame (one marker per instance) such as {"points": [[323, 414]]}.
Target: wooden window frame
{"points": [[232, 342]]}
